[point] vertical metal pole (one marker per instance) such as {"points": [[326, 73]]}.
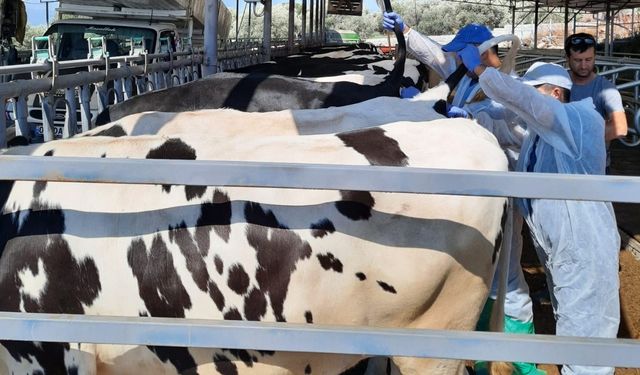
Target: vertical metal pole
{"points": [[304, 23], [266, 36], [291, 25], [47, 12], [633, 22], [513, 17], [575, 21], [317, 20], [311, 21], [210, 64], [535, 25], [323, 17], [607, 18], [249, 23], [597, 26], [566, 20], [237, 16]]}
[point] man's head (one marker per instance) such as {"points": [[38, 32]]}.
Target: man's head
{"points": [[580, 51], [475, 34], [550, 79]]}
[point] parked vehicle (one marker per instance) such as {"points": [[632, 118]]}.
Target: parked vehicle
{"points": [[338, 37], [129, 28]]}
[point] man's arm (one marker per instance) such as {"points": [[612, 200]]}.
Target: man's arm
{"points": [[430, 53], [615, 126]]}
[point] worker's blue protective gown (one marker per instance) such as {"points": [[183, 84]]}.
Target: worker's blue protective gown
{"points": [[577, 241]]}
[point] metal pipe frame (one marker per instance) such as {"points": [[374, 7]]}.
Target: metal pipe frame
{"points": [[321, 176], [316, 338]]}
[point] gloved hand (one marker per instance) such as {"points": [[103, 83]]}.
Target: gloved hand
{"points": [[390, 19], [455, 112], [408, 92], [470, 57]]}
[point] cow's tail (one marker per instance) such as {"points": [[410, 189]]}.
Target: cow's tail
{"points": [[397, 74]]}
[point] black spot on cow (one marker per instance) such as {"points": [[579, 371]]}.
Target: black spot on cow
{"points": [[50, 356], [386, 287], [216, 295], [194, 192], [217, 215], [238, 279], [278, 250], [322, 228], [179, 357], [232, 314], [255, 214], [358, 369], [194, 260], [374, 145], [255, 305], [71, 284], [361, 276], [330, 262], [307, 369], [217, 261], [308, 317], [39, 186], [356, 205], [498, 242], [242, 355], [224, 365], [72, 370], [176, 149], [159, 284], [18, 140], [113, 131]]}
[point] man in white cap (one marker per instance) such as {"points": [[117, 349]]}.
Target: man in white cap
{"points": [[576, 241]]}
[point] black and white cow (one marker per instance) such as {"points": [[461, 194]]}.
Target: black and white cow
{"points": [[234, 123], [258, 92], [300, 256]]}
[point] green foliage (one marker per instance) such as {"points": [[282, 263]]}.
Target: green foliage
{"points": [[430, 17]]}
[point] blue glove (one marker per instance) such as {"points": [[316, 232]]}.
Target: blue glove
{"points": [[390, 19], [470, 57], [455, 112], [408, 92]]}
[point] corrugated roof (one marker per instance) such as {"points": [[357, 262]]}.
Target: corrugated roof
{"points": [[592, 5]]}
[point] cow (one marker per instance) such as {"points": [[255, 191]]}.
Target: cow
{"points": [[234, 123], [258, 92], [241, 253]]}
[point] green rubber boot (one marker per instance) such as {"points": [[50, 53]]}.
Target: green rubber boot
{"points": [[512, 325]]}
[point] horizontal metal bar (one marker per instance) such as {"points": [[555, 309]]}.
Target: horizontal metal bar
{"points": [[319, 339], [321, 176]]}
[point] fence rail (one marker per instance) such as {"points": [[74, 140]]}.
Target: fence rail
{"points": [[317, 338]]}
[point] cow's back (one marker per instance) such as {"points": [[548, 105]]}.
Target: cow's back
{"points": [[301, 256]]}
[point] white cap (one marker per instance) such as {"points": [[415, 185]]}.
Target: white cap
{"points": [[540, 73]]}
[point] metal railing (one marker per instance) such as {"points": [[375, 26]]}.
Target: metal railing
{"points": [[105, 80], [318, 338]]}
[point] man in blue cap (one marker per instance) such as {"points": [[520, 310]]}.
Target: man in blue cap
{"points": [[466, 102], [576, 241]]}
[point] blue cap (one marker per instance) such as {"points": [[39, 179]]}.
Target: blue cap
{"points": [[472, 33], [540, 73]]}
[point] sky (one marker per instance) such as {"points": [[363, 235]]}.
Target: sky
{"points": [[37, 9]]}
